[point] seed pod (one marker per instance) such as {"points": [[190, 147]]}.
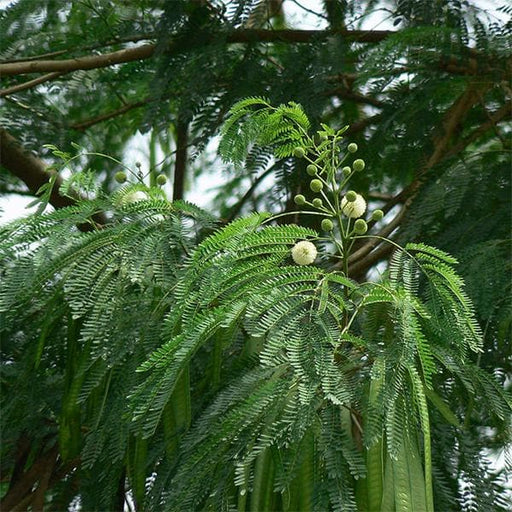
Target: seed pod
{"points": [[377, 215], [299, 152], [311, 169], [352, 147], [299, 200], [360, 227], [317, 202], [316, 185], [346, 170], [327, 225], [161, 179], [358, 164], [350, 196], [120, 177]]}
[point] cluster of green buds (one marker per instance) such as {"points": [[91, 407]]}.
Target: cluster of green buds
{"points": [[121, 177], [330, 174], [135, 190]]}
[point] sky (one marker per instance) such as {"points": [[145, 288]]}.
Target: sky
{"points": [[299, 14]]}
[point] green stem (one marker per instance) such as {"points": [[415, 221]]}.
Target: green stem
{"points": [[217, 359], [177, 413], [152, 159], [274, 217], [261, 496], [429, 494], [242, 494], [306, 474], [374, 457]]}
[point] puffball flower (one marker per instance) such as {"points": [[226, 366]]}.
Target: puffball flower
{"points": [[354, 209], [304, 253]]}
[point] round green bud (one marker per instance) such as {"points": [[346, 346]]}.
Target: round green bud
{"points": [[316, 185], [377, 215], [327, 225], [358, 164], [311, 169], [352, 147], [161, 179], [350, 196], [299, 200], [360, 227], [120, 177], [317, 202], [299, 152], [346, 170]]}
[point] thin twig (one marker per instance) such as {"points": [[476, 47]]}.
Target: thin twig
{"points": [[109, 115]]}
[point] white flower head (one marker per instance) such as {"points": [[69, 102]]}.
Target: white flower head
{"points": [[354, 209], [133, 197], [304, 253]]}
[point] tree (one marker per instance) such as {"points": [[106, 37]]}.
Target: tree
{"points": [[83, 309]]}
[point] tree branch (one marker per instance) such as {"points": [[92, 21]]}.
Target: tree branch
{"points": [[452, 122], [24, 485], [354, 96], [83, 125], [89, 62], [146, 51], [235, 209], [111, 42], [384, 233], [33, 173], [358, 268], [28, 85], [500, 115]]}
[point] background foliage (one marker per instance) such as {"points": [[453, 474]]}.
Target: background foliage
{"points": [[428, 103]]}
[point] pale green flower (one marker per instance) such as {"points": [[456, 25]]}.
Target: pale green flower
{"points": [[304, 253], [354, 209], [133, 197]]}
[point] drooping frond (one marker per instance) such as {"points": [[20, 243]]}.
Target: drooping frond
{"points": [[284, 128]]}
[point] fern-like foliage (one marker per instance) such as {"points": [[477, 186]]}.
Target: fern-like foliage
{"points": [[256, 121], [302, 367], [95, 300]]}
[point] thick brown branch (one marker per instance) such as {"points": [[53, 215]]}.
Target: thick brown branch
{"points": [[33, 173], [89, 62], [305, 36], [359, 268], [146, 51], [363, 123], [42, 486], [500, 115], [25, 484], [102, 44], [451, 125], [30, 84], [354, 96], [383, 233]]}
